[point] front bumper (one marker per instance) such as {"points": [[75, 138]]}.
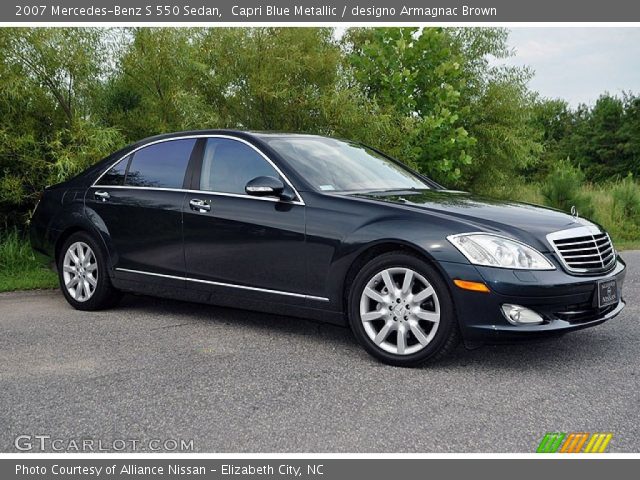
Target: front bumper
{"points": [[566, 302]]}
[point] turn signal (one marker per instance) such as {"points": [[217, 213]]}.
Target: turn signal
{"points": [[473, 286]]}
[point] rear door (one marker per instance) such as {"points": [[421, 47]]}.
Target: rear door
{"points": [[137, 205]]}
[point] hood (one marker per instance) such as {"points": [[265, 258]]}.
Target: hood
{"points": [[530, 223]]}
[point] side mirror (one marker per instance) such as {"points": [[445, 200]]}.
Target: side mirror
{"points": [[265, 187]]}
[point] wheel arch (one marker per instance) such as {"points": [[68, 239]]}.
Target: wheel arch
{"points": [[75, 228], [381, 248]]}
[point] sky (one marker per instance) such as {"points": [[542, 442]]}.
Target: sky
{"points": [[579, 63]]}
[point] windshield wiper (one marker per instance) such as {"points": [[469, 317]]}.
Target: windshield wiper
{"points": [[401, 189]]}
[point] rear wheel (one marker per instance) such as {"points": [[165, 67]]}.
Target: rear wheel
{"points": [[83, 275], [401, 311]]}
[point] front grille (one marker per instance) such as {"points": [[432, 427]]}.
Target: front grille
{"points": [[588, 252]]}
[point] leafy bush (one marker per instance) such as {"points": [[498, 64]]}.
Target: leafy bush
{"points": [[563, 190]]}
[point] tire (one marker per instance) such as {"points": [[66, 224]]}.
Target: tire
{"points": [[423, 301], [92, 289]]}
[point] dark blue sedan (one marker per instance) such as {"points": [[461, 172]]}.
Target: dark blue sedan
{"points": [[326, 229]]}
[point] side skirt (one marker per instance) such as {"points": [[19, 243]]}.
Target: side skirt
{"points": [[184, 293]]}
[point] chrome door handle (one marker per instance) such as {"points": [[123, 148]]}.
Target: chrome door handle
{"points": [[199, 205], [100, 195]]}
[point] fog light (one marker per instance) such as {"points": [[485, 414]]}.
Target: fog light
{"points": [[519, 315]]}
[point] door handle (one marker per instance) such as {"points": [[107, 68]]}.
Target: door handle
{"points": [[100, 195], [199, 205]]}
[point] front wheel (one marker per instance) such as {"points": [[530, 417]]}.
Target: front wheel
{"points": [[401, 311], [82, 271]]}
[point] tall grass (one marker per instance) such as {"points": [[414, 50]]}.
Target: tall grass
{"points": [[614, 205], [19, 268], [626, 200], [15, 253]]}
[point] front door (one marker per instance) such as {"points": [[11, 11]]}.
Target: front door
{"points": [[240, 245]]}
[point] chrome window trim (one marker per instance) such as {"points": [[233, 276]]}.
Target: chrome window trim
{"points": [[576, 232], [229, 285], [198, 136], [198, 192]]}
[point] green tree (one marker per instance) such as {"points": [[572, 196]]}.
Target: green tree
{"points": [[602, 148], [282, 79], [554, 119], [630, 132], [466, 122], [432, 97], [508, 142], [154, 87], [417, 76], [603, 139], [47, 131]]}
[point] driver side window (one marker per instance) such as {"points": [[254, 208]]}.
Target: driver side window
{"points": [[228, 165]]}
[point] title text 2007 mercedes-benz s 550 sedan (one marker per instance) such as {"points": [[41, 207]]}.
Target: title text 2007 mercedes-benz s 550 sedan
{"points": [[325, 229]]}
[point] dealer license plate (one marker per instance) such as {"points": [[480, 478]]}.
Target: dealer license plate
{"points": [[607, 293]]}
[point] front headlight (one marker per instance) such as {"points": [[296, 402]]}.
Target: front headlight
{"points": [[497, 251]]}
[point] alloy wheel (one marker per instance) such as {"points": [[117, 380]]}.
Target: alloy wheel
{"points": [[400, 311], [80, 271]]}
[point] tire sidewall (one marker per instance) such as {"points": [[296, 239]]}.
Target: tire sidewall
{"points": [[103, 288], [446, 327]]}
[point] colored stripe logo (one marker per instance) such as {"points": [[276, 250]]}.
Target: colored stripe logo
{"points": [[558, 442]]}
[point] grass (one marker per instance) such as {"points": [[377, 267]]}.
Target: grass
{"points": [[624, 229], [19, 270], [627, 245]]}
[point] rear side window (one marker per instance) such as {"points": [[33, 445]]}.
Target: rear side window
{"points": [[162, 165], [115, 176], [228, 165]]}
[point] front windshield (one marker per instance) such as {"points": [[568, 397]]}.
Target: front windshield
{"points": [[337, 166]]}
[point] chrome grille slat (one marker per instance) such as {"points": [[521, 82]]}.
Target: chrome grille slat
{"points": [[580, 240], [605, 254], [575, 250], [597, 263], [572, 244], [589, 255], [583, 249]]}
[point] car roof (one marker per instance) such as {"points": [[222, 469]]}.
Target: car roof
{"points": [[239, 133], [285, 135]]}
